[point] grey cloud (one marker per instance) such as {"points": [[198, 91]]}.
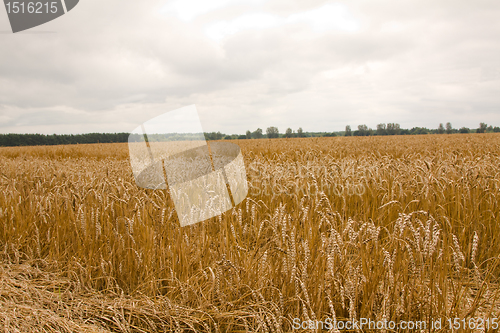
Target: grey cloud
{"points": [[415, 62]]}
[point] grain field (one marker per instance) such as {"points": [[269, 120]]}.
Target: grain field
{"points": [[397, 228]]}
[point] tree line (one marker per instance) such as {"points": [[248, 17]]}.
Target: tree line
{"points": [[363, 130], [9, 140], [395, 129], [60, 139]]}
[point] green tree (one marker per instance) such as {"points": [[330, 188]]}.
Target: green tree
{"points": [[440, 129], [348, 131], [257, 134], [272, 132], [393, 129], [300, 133], [463, 130], [419, 130], [288, 133], [482, 128], [248, 135], [381, 129], [362, 130], [449, 128], [214, 136]]}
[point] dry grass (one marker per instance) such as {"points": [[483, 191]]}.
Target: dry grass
{"points": [[396, 228]]}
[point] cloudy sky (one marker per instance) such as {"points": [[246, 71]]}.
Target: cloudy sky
{"points": [[107, 66]]}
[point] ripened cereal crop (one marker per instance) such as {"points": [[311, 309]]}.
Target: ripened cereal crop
{"points": [[401, 228]]}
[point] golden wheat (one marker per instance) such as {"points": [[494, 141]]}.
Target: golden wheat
{"points": [[395, 228]]}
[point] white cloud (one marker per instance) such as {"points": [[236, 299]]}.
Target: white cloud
{"points": [[218, 30], [188, 10], [332, 16], [322, 19]]}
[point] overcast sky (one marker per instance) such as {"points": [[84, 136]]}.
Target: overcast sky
{"points": [[108, 65]]}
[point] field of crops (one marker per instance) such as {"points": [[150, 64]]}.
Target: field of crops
{"points": [[387, 228]]}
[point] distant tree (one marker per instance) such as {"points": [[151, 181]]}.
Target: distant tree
{"points": [[348, 131], [496, 129], [333, 134], [440, 129], [289, 133], [489, 129], [300, 133], [449, 128], [64, 139], [381, 129], [464, 130], [257, 134], [248, 135], [419, 130], [393, 129], [228, 137], [362, 131], [242, 137], [214, 136], [404, 132], [272, 132], [482, 128]]}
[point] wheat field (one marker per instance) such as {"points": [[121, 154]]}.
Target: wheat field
{"points": [[387, 228]]}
